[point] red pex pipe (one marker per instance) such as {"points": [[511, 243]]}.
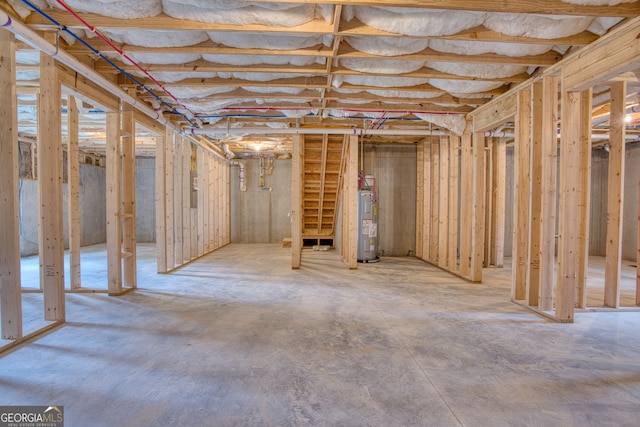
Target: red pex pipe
{"points": [[120, 52]]}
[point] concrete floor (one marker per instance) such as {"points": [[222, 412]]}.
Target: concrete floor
{"points": [[238, 338]]}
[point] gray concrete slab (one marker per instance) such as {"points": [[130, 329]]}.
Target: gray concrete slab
{"points": [[238, 338]]}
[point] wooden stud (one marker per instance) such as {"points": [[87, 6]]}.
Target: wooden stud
{"points": [[466, 183], [569, 228], [185, 192], [549, 172], [443, 203], [73, 165], [161, 207], [201, 209], [585, 196], [114, 226], [478, 209], [169, 221], [426, 210], [615, 195], [498, 195], [352, 200], [435, 202], [177, 200], [534, 279], [419, 197], [638, 253], [204, 176], [454, 157], [296, 203], [488, 214], [10, 282], [51, 241], [128, 212], [521, 201], [227, 204]]}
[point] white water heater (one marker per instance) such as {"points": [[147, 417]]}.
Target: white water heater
{"points": [[367, 226]]}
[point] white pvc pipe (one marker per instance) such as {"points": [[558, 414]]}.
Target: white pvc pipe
{"points": [[243, 186], [30, 37], [312, 131]]}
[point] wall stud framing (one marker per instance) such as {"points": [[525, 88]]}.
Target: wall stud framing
{"points": [[10, 282]]}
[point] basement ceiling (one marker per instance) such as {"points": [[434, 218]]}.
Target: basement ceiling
{"points": [[243, 74]]}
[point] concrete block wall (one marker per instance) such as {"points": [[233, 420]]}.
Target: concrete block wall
{"points": [[261, 215], [93, 207], [394, 167]]}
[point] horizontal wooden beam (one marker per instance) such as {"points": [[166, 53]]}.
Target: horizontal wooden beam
{"points": [[608, 57], [495, 113]]}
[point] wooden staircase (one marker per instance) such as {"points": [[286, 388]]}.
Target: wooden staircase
{"points": [[322, 167]]}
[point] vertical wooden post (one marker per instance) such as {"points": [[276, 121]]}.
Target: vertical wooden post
{"points": [[169, 144], [585, 196], [638, 253], [615, 195], [186, 200], [443, 207], [549, 172], [454, 157], [478, 220], [161, 207], [498, 195], [419, 197], [114, 230], [227, 204], [128, 213], [521, 201], [488, 212], [212, 203], [435, 201], [204, 188], [352, 201], [50, 190], [10, 285], [201, 208], [466, 185], [535, 234], [296, 203], [426, 210], [569, 228], [177, 199], [73, 174]]}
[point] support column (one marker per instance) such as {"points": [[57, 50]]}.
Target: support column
{"points": [[569, 228], [10, 285], [454, 147], [426, 208], [443, 207], [535, 233], [352, 201], [200, 194], [186, 200], [498, 190], [466, 177], [161, 207], [73, 165], [615, 195], [128, 213], [177, 197], [521, 199], [586, 100], [477, 233], [419, 197], [114, 226], [435, 202], [549, 172], [51, 239], [296, 203]]}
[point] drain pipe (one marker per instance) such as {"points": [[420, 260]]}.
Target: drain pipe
{"points": [[243, 186]]}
